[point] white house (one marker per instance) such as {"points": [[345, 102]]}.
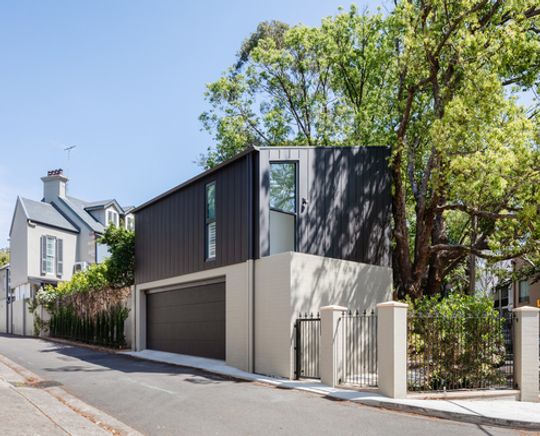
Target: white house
{"points": [[57, 236]]}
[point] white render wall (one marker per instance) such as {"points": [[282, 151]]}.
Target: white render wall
{"points": [[18, 247], [23, 319], [238, 286], [35, 231], [3, 314], [285, 284], [290, 283]]}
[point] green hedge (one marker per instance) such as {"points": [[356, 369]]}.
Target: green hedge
{"points": [[457, 342], [105, 328]]}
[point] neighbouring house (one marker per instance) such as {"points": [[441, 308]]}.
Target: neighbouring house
{"points": [[489, 283], [226, 261], [526, 292], [57, 236], [5, 280]]}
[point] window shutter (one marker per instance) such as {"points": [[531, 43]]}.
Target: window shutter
{"points": [[59, 257], [43, 253]]}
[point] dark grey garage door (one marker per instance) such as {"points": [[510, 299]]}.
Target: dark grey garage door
{"points": [[187, 321]]}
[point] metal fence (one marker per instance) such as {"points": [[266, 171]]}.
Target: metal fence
{"points": [[358, 348], [307, 343], [458, 352]]}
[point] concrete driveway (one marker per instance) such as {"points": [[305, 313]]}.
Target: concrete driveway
{"points": [[156, 398]]}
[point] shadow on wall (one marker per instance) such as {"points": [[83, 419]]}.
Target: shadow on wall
{"points": [[318, 282], [348, 211]]}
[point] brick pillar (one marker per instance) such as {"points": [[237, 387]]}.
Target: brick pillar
{"points": [[392, 348], [329, 347], [526, 352]]}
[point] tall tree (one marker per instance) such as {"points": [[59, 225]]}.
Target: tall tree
{"points": [[435, 80]]}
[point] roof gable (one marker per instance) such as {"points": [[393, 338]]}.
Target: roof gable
{"points": [[43, 213]]}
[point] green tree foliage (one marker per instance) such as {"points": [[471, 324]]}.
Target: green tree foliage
{"points": [[4, 257], [455, 342], [121, 263], [437, 81]]}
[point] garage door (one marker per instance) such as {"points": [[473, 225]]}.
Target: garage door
{"points": [[187, 321]]}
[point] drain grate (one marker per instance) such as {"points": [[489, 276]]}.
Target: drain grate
{"points": [[43, 384]]}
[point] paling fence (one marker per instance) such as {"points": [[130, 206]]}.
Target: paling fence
{"points": [[307, 343], [454, 352], [358, 348]]}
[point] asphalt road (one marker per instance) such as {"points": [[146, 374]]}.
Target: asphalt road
{"points": [[162, 399]]}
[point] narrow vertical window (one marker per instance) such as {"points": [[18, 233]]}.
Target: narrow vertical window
{"points": [[283, 205], [524, 291], [211, 221], [50, 254]]}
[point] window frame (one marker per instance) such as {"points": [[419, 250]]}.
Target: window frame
{"points": [[296, 198], [116, 221], [48, 258], [209, 221], [129, 218], [526, 299]]}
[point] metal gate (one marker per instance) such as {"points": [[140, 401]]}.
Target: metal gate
{"points": [[306, 345], [358, 343]]}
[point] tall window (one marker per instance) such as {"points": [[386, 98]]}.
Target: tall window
{"points": [[523, 291], [283, 204], [50, 254], [211, 221], [283, 186]]}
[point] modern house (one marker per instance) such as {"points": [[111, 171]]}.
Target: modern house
{"points": [[57, 236], [226, 261]]}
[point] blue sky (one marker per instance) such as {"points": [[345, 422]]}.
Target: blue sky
{"points": [[123, 80]]}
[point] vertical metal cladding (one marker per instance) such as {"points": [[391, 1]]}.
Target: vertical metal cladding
{"points": [[344, 212], [344, 201], [170, 232]]}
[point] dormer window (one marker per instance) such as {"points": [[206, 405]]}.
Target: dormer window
{"points": [[130, 222], [112, 218]]}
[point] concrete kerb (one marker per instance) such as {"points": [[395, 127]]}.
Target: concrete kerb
{"points": [[455, 409], [95, 416]]}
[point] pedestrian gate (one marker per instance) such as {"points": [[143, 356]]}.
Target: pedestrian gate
{"points": [[306, 345]]}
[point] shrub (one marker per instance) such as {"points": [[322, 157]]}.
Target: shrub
{"points": [[455, 342], [121, 264]]}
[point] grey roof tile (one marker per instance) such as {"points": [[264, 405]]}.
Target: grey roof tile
{"points": [[79, 206], [45, 213]]}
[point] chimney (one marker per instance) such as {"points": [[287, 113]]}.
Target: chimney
{"points": [[54, 185]]}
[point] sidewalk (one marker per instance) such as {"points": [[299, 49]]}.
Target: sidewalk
{"points": [[32, 406], [482, 411]]}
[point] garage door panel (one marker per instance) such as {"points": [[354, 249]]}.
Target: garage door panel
{"points": [[188, 321], [201, 330], [189, 313], [192, 295]]}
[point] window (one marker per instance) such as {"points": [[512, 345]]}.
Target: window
{"points": [[283, 205], [523, 291], [283, 186], [211, 221], [50, 255], [130, 222], [112, 218], [504, 296]]}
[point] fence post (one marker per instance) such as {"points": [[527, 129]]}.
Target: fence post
{"points": [[526, 352], [392, 348], [329, 352]]}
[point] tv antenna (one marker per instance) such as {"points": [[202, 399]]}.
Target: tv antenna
{"points": [[68, 149]]}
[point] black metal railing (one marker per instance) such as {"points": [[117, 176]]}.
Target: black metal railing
{"points": [[307, 343], [358, 349], [453, 352]]}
